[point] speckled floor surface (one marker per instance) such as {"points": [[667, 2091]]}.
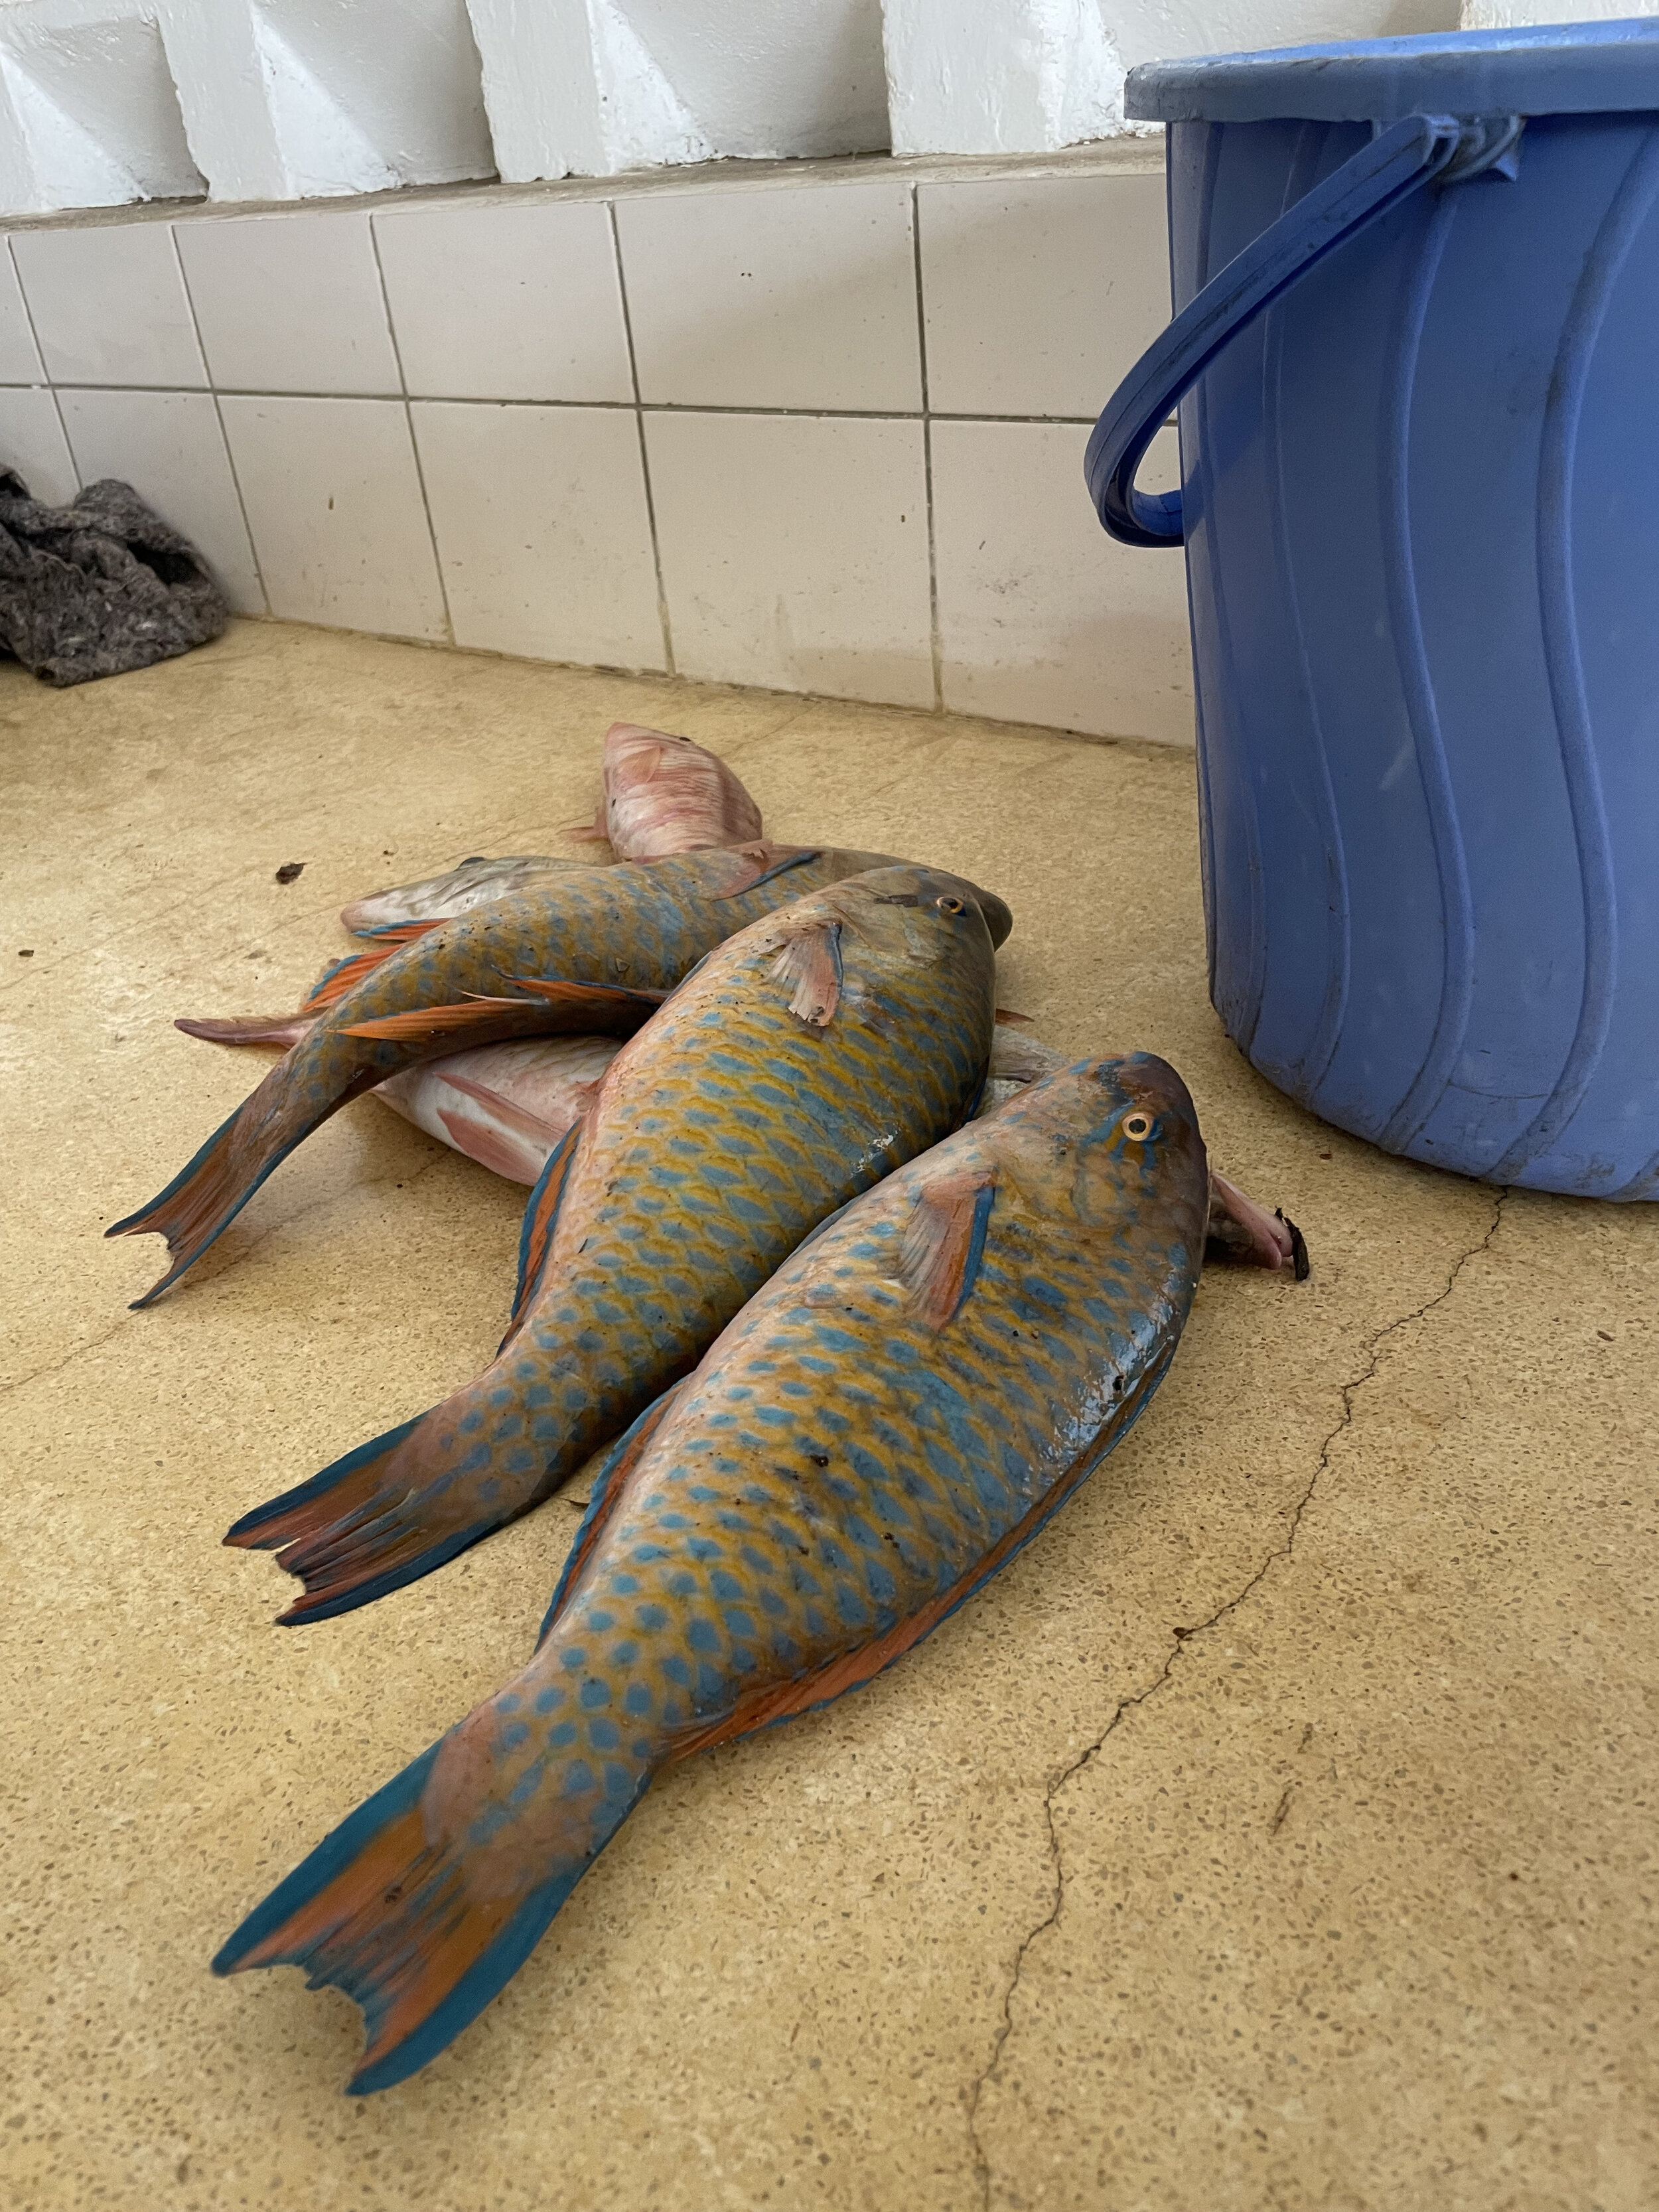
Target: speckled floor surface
{"points": [[1277, 1831]]}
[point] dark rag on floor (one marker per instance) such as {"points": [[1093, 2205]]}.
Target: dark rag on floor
{"points": [[99, 586]]}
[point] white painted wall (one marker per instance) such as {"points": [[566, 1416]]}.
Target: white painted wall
{"points": [[592, 87], [107, 100], [1500, 15], [1029, 76]]}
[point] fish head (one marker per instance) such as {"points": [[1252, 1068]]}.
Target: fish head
{"points": [[916, 914], [1115, 1142], [665, 794], [920, 905], [471, 882]]}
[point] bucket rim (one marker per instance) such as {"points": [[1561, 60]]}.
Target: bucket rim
{"points": [[1540, 68]]}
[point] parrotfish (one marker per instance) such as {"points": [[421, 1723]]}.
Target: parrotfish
{"points": [[470, 883], [877, 1432], [807, 1057], [663, 795], [591, 949]]}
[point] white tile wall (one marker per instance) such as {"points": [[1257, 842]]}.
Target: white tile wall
{"points": [[1041, 294], [19, 357], [797, 297], [290, 303], [333, 499], [109, 305], [794, 551], [543, 531], [555, 424], [170, 447], [505, 302], [32, 441], [1042, 616]]}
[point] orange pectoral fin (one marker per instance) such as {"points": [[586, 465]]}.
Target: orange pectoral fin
{"points": [[810, 965], [944, 1245]]}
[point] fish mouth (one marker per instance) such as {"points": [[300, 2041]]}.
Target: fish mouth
{"points": [[999, 915]]}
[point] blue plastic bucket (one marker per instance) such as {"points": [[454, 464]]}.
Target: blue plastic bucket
{"points": [[1416, 351]]}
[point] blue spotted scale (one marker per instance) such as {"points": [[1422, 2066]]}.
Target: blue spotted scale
{"points": [[803, 1060], [585, 949]]}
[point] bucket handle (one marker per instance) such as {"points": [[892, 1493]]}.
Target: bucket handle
{"points": [[1396, 162]]}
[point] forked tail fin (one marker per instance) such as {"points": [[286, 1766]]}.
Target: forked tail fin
{"points": [[426, 1902], [211, 1189]]}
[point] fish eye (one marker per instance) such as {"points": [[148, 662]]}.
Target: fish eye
{"points": [[949, 905], [472, 860], [1139, 1126]]}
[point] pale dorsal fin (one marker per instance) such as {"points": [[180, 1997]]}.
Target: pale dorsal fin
{"points": [[943, 1244], [809, 966]]}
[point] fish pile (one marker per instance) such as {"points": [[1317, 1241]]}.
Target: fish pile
{"points": [[850, 1281]]}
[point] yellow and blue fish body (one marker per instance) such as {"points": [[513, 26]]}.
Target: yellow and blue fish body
{"points": [[590, 949], [884, 1424], [803, 1060]]}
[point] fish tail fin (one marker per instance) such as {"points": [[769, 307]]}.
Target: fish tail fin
{"points": [[211, 1189], [399, 1506], [421, 1906]]}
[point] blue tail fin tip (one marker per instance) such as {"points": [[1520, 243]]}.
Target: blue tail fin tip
{"points": [[329, 1479], [331, 1858]]}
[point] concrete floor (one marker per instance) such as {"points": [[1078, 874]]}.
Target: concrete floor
{"points": [[1277, 1831]]}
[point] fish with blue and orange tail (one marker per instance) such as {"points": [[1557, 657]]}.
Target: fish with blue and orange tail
{"points": [[805, 1059], [882, 1427], [592, 951]]}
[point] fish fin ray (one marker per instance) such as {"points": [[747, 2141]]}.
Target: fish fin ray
{"points": [[218, 1180], [394, 1909], [359, 1529], [943, 1246], [248, 1029], [430, 1024], [810, 964], [749, 867], [506, 1153], [340, 976], [541, 1216]]}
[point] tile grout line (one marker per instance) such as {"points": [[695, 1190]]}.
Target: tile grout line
{"points": [[645, 451], [934, 645], [40, 356], [219, 417], [414, 442], [611, 406]]}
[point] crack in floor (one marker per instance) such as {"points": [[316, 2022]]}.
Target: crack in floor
{"points": [[1091, 1752]]}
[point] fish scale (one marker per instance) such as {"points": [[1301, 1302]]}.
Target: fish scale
{"points": [[604, 943], [718, 1139], [878, 1430]]}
